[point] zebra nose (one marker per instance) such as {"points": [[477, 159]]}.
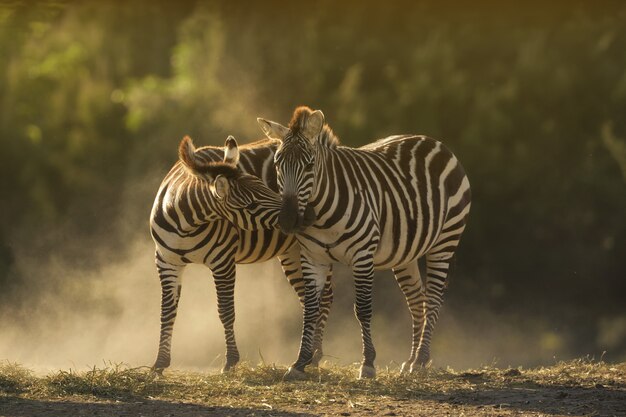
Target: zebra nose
{"points": [[288, 217]]}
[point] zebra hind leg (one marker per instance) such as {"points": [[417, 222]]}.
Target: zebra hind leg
{"points": [[410, 282], [170, 277], [437, 267]]}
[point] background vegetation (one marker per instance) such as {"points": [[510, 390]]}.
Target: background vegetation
{"points": [[94, 97]]}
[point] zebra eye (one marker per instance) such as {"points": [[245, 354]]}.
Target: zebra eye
{"points": [[309, 166], [252, 205]]}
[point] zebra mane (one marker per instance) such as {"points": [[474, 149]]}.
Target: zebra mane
{"points": [[300, 116], [328, 137], [214, 169], [261, 143]]}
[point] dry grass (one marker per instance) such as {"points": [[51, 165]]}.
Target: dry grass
{"points": [[261, 387]]}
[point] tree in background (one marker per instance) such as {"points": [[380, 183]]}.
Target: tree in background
{"points": [[95, 97]]}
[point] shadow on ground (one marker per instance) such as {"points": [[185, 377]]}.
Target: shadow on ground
{"points": [[605, 400], [20, 407]]}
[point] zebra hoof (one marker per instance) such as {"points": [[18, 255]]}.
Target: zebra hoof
{"points": [[420, 365], [161, 364], [294, 374], [228, 367], [159, 367], [157, 371], [368, 372], [422, 361]]}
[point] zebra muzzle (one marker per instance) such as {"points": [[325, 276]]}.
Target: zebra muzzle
{"points": [[288, 217]]}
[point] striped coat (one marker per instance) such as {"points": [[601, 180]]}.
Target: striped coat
{"points": [[192, 223], [381, 206]]}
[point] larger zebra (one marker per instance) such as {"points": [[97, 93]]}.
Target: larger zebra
{"points": [[381, 206], [208, 211]]}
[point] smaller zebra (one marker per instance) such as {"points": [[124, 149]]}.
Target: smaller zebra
{"points": [[214, 208]]}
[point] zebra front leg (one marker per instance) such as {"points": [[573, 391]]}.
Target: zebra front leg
{"points": [[314, 276], [325, 304], [290, 263], [170, 277], [437, 266], [224, 277], [363, 271], [410, 282]]}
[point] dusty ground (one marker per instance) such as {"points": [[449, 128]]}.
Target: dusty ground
{"points": [[580, 388]]}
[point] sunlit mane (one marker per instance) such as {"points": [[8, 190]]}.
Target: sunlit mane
{"points": [[328, 138], [300, 116], [261, 143]]}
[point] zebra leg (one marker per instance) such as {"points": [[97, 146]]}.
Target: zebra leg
{"points": [[170, 277], [437, 266], [314, 276], [224, 278], [410, 282], [325, 304], [363, 282], [290, 263]]}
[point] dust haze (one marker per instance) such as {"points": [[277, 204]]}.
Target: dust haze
{"points": [[110, 314], [102, 307]]}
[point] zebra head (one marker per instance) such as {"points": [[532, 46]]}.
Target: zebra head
{"points": [[295, 165], [242, 199]]}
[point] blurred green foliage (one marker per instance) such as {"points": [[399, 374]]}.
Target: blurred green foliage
{"points": [[94, 97]]}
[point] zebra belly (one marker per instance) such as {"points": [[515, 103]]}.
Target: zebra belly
{"points": [[252, 246], [330, 251], [402, 240], [402, 245]]}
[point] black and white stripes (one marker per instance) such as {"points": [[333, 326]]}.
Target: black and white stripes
{"points": [[209, 211], [381, 206]]}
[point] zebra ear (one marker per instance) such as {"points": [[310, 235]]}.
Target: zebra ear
{"points": [[271, 129], [220, 187], [187, 154], [231, 151], [313, 125]]}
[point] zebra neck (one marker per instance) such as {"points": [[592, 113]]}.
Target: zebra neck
{"points": [[322, 154], [194, 205], [212, 209]]}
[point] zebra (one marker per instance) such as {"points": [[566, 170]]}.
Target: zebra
{"points": [[381, 206], [209, 210]]}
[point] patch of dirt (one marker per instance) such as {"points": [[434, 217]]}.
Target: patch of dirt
{"points": [[539, 401], [577, 388]]}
